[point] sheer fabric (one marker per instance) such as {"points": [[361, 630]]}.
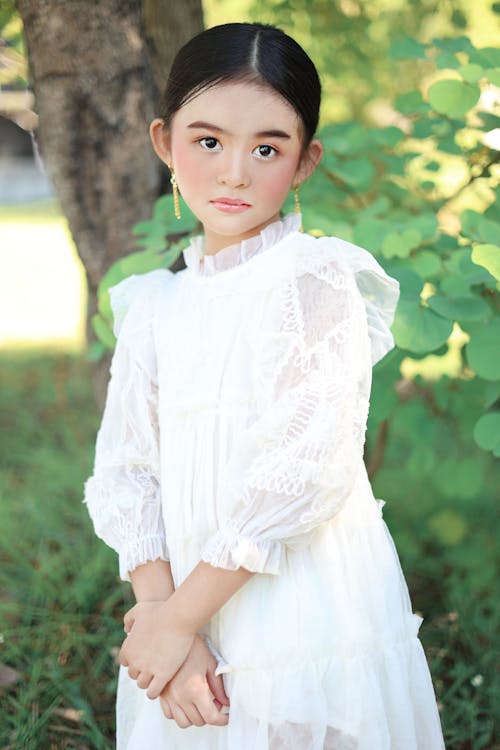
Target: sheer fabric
{"points": [[297, 463], [123, 493], [233, 432]]}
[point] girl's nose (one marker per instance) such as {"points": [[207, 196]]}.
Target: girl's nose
{"points": [[233, 172]]}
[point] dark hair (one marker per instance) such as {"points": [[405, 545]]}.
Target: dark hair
{"points": [[255, 52]]}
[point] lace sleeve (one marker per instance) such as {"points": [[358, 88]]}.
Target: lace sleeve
{"points": [[296, 464], [123, 493]]}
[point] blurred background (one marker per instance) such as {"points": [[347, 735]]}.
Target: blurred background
{"points": [[410, 122]]}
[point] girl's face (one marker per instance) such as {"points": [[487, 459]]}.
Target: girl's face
{"points": [[236, 153]]}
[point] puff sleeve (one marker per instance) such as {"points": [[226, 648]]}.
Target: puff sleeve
{"points": [[295, 465], [123, 493]]}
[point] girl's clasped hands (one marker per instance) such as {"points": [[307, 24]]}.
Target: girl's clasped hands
{"points": [[174, 665]]}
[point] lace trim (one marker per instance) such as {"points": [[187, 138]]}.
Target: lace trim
{"points": [[295, 466], [229, 549]]}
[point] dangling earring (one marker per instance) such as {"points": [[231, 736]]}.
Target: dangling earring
{"points": [[297, 204], [175, 194]]}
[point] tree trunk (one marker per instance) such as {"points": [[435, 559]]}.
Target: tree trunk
{"points": [[97, 70]]}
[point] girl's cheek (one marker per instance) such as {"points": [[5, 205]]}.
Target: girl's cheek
{"points": [[188, 166], [278, 182]]}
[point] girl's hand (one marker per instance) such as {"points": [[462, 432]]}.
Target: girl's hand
{"points": [[155, 647], [195, 694]]}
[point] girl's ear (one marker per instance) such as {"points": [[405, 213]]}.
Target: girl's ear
{"points": [[309, 161], [160, 138]]}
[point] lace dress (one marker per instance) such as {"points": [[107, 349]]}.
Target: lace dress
{"points": [[233, 433]]}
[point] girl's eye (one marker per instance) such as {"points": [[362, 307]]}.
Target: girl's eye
{"points": [[265, 151], [209, 143]]}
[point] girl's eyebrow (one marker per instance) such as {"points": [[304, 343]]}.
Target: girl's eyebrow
{"points": [[262, 134]]}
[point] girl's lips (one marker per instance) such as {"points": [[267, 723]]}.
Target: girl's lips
{"points": [[229, 205]]}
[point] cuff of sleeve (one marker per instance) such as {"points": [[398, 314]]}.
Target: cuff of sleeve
{"points": [[231, 550], [142, 551]]}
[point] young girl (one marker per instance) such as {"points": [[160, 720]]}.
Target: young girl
{"points": [[272, 612]]}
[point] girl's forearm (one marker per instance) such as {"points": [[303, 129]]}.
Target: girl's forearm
{"points": [[152, 581], [205, 590]]}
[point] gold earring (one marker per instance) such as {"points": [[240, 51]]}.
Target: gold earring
{"points": [[297, 204], [175, 194]]}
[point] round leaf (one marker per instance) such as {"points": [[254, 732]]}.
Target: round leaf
{"points": [[487, 256], [482, 350], [487, 432], [418, 328], [471, 72], [453, 98], [425, 263], [449, 527], [460, 308], [103, 331]]}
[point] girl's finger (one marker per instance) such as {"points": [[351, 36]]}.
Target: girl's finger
{"points": [[216, 685], [156, 686], [122, 658], [180, 717], [128, 621], [144, 679], [165, 707], [209, 708], [133, 672], [193, 714]]}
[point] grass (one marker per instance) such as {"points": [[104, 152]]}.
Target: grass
{"points": [[62, 603]]}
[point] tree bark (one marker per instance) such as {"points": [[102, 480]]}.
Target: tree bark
{"points": [[97, 70]]}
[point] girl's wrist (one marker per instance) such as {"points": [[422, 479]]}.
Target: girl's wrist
{"points": [[152, 581]]}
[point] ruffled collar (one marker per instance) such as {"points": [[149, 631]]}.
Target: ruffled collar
{"points": [[233, 255]]}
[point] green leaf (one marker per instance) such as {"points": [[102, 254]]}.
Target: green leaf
{"points": [[411, 102], [452, 97], [400, 244], [103, 331], [460, 308], [462, 478], [461, 263], [471, 72], [487, 256], [449, 146], [406, 47], [433, 166], [410, 283], [454, 44], [455, 286], [487, 57], [493, 76], [387, 137], [426, 263], [358, 173], [163, 212], [482, 349], [487, 432], [449, 527], [418, 328], [422, 128], [447, 60], [369, 233], [458, 19], [488, 230]]}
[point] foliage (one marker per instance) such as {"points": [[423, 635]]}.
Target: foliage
{"points": [[62, 602], [13, 64], [396, 190], [61, 607]]}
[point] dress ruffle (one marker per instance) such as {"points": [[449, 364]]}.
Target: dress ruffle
{"points": [[380, 292]]}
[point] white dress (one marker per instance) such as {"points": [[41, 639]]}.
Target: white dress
{"points": [[233, 433]]}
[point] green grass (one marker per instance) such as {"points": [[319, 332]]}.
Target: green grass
{"points": [[62, 603]]}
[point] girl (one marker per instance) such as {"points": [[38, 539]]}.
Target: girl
{"points": [[272, 612]]}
